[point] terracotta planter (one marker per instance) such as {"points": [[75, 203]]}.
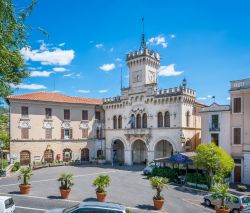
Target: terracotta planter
{"points": [[218, 210], [158, 204], [101, 196], [24, 189], [65, 193]]}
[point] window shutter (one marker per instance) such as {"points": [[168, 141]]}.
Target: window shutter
{"points": [[25, 133], [84, 133], [71, 133], [237, 135], [62, 133]]}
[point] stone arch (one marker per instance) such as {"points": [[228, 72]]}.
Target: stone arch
{"points": [[67, 155], [118, 151], [139, 151], [163, 148], [153, 144], [48, 155], [25, 157]]}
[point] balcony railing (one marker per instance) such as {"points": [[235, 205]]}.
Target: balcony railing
{"points": [[213, 127], [240, 84], [138, 132]]}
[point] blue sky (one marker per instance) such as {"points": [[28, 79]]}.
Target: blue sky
{"points": [[205, 41]]}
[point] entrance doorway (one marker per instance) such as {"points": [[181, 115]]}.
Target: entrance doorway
{"points": [[118, 151], [139, 152], [48, 155], [237, 171], [85, 154], [163, 149], [24, 158]]}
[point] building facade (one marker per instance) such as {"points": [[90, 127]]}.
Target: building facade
{"points": [[229, 128], [145, 123], [49, 126]]}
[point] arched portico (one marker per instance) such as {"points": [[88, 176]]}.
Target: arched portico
{"points": [[118, 151], [163, 148], [139, 152]]}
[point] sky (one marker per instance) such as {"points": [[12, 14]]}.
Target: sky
{"points": [[207, 42]]}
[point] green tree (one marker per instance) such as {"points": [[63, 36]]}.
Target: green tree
{"points": [[215, 160], [4, 120], [13, 37]]}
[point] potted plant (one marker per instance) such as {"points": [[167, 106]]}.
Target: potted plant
{"points": [[158, 183], [24, 176], [101, 182], [101, 159], [66, 184], [220, 192]]}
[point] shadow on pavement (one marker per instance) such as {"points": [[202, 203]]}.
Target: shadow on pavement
{"points": [[145, 207], [89, 199], [54, 197]]}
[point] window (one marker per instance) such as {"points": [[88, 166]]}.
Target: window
{"points": [[66, 134], [215, 139], [167, 119], [98, 133], [120, 122], [138, 121], [237, 135], [25, 133], [215, 122], [25, 111], [99, 153], [48, 112], [188, 119], [85, 115], [237, 105], [48, 133], [9, 203], [132, 121], [115, 122], [66, 114], [160, 119], [85, 133], [144, 120], [97, 115]]}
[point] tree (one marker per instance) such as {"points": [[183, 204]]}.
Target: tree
{"points": [[13, 37], [215, 160], [4, 121]]}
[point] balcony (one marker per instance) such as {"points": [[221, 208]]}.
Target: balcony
{"points": [[240, 84], [214, 127], [142, 133]]}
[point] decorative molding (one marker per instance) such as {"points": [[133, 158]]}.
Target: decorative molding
{"points": [[48, 125], [84, 125], [24, 124], [66, 125]]}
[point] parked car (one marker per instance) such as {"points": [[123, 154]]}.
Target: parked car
{"points": [[7, 205], [92, 207], [237, 202], [148, 169]]}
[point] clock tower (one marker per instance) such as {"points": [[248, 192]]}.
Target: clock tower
{"points": [[143, 65]]}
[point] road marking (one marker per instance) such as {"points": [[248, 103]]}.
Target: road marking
{"points": [[24, 207], [195, 204], [46, 180]]}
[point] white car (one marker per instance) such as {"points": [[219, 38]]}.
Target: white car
{"points": [[7, 205], [148, 169]]}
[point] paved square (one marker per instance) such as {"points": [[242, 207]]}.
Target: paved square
{"points": [[128, 187]]}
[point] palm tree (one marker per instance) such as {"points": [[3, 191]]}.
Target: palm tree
{"points": [[25, 175], [158, 183], [102, 182], [66, 181]]}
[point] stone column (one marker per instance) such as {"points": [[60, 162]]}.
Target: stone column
{"points": [[150, 156], [108, 154], [128, 157]]}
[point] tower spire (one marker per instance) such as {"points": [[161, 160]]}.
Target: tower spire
{"points": [[143, 42]]}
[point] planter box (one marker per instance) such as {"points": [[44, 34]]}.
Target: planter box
{"points": [[203, 186], [101, 161], [56, 164], [40, 166]]}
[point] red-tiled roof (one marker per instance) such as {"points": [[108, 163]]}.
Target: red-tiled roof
{"points": [[55, 97]]}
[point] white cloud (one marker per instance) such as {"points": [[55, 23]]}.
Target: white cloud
{"points": [[103, 91], [61, 45], [68, 75], [107, 67], [111, 49], [56, 91], [172, 36], [28, 86], [59, 69], [205, 98], [83, 91], [228, 98], [118, 59], [99, 46], [169, 70], [158, 40], [56, 56], [40, 74]]}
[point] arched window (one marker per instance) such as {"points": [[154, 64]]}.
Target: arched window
{"points": [[115, 122], [188, 119], [167, 119], [144, 120], [138, 121], [132, 121], [120, 122], [160, 119]]}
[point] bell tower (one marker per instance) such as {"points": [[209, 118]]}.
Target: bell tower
{"points": [[143, 65]]}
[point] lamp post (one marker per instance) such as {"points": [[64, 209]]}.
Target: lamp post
{"points": [[1, 149]]}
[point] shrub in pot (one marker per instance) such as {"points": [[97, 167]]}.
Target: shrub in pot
{"points": [[66, 181], [220, 192], [101, 159], [24, 176], [241, 188], [101, 183], [158, 183]]}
